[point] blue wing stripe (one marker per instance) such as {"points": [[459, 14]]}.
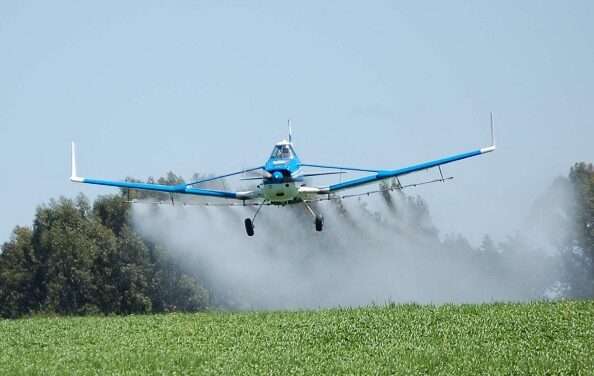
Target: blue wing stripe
{"points": [[162, 188], [385, 174]]}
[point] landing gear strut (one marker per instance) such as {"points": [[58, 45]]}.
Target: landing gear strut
{"points": [[319, 220], [249, 222]]}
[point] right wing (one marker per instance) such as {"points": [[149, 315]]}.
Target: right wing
{"points": [[180, 188]]}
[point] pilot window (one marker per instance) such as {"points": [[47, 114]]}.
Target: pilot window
{"points": [[282, 152]]}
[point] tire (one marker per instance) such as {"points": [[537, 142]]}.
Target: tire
{"points": [[319, 223], [249, 227]]}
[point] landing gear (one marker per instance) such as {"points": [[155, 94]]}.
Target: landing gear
{"points": [[319, 220], [249, 222], [319, 223], [249, 227]]}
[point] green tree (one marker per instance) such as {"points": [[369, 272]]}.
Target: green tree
{"points": [[580, 249], [134, 273], [17, 270], [67, 240], [77, 260], [112, 212]]}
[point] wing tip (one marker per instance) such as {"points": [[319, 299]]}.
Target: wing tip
{"points": [[488, 149]]}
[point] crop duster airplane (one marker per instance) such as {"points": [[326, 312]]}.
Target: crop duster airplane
{"points": [[282, 180]]}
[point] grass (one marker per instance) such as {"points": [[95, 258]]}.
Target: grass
{"points": [[536, 338]]}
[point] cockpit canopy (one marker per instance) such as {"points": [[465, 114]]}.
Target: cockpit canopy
{"points": [[283, 151]]}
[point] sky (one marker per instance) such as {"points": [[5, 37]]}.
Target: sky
{"points": [[145, 87]]}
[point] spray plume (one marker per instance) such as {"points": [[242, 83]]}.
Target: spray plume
{"points": [[377, 250]]}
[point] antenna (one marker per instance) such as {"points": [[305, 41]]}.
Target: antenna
{"points": [[290, 131]]}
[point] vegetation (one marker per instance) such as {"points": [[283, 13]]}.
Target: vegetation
{"points": [[580, 245], [79, 258], [536, 339]]}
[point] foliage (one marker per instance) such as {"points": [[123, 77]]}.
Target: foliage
{"points": [[79, 259], [580, 247], [537, 339]]}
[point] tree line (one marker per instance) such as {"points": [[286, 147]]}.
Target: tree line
{"points": [[82, 258]]}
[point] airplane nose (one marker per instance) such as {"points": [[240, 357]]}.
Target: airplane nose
{"points": [[277, 176]]}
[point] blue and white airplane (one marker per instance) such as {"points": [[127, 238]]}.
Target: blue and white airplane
{"points": [[282, 180]]}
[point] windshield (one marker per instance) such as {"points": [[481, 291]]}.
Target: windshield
{"points": [[282, 152]]}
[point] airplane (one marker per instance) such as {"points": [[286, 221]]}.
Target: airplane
{"points": [[282, 180]]}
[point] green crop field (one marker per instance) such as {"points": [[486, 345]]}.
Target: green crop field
{"points": [[538, 338]]}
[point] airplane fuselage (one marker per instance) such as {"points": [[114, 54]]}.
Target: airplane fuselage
{"points": [[280, 194], [281, 184]]}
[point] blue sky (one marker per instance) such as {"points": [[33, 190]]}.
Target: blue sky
{"points": [[148, 87]]}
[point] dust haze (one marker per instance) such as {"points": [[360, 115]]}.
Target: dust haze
{"points": [[375, 250]]}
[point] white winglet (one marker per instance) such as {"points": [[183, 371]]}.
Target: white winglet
{"points": [[492, 147], [73, 175], [492, 131]]}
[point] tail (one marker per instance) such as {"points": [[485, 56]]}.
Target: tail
{"points": [[290, 131]]}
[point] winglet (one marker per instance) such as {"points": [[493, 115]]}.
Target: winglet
{"points": [[73, 176], [492, 131], [493, 146]]}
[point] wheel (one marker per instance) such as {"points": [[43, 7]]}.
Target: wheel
{"points": [[319, 222], [249, 227]]}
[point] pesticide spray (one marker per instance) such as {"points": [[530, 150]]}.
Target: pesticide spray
{"points": [[372, 251]]}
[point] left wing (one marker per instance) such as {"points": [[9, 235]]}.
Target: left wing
{"points": [[387, 174], [180, 188]]}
